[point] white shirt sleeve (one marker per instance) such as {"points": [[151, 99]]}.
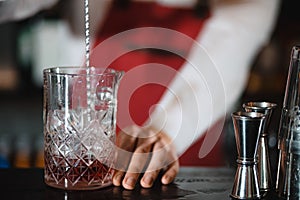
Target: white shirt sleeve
{"points": [[215, 73]]}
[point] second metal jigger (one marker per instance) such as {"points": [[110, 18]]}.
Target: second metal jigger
{"points": [[247, 128], [264, 172]]}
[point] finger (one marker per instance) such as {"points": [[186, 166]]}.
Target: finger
{"points": [[163, 158], [171, 173], [117, 178], [157, 162], [141, 155], [125, 146], [137, 164], [122, 160], [149, 178], [127, 138], [130, 180]]}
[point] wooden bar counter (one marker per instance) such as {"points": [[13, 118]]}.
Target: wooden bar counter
{"points": [[191, 183]]}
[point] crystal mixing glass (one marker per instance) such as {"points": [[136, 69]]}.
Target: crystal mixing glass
{"points": [[79, 126]]}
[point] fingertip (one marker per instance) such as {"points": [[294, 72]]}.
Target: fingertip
{"points": [[147, 181], [166, 179], [170, 174], [117, 179], [129, 183]]}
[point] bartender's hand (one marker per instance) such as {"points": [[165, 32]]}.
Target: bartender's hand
{"points": [[142, 154]]}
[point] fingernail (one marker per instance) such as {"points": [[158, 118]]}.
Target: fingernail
{"points": [[130, 182], [117, 180], [148, 180], [166, 179]]}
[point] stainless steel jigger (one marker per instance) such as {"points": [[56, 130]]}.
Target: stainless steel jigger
{"points": [[263, 165], [247, 128]]}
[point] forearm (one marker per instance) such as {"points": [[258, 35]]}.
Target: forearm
{"points": [[216, 71]]}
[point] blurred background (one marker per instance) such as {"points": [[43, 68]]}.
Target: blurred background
{"points": [[31, 44]]}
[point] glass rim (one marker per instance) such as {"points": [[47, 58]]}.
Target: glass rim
{"points": [[78, 71]]}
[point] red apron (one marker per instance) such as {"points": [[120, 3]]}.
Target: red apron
{"points": [[136, 50]]}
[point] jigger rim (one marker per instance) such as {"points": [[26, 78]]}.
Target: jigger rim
{"points": [[248, 115], [257, 105]]}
